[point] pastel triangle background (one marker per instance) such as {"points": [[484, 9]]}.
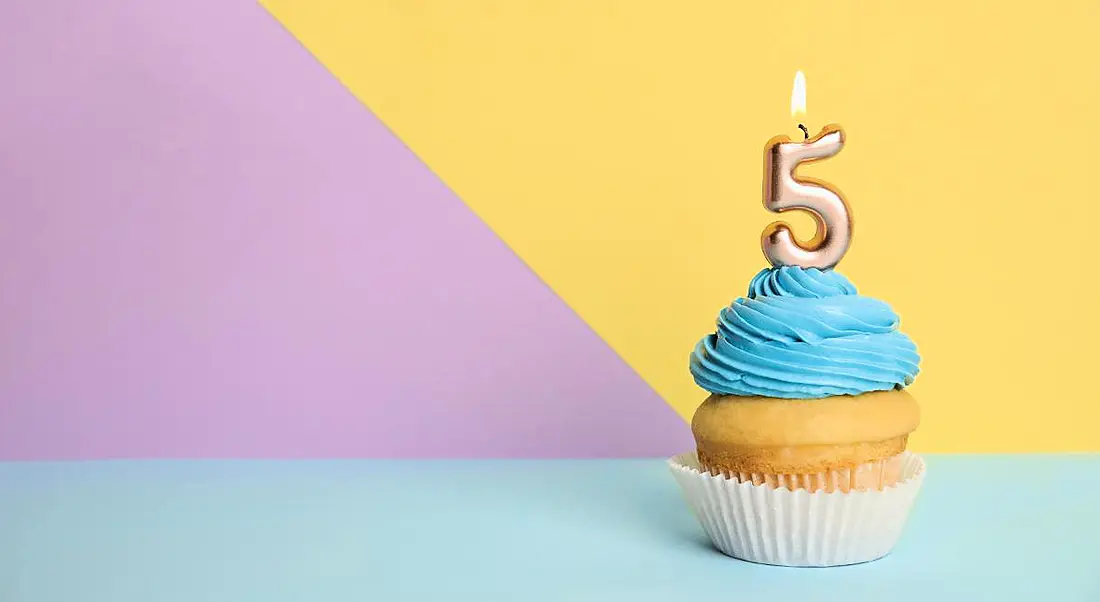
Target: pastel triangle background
{"points": [[210, 248], [617, 147]]}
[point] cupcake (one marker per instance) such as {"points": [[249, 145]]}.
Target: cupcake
{"points": [[800, 453], [807, 383]]}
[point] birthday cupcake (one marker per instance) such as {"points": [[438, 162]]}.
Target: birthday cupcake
{"points": [[800, 455]]}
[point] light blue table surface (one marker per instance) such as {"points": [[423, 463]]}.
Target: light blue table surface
{"points": [[984, 528]]}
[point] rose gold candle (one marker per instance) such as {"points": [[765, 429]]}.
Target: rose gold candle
{"points": [[783, 191]]}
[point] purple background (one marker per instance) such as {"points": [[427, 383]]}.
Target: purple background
{"points": [[209, 248]]}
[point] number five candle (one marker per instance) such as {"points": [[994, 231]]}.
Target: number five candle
{"points": [[784, 191]]}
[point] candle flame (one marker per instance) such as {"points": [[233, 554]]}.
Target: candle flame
{"points": [[798, 95]]}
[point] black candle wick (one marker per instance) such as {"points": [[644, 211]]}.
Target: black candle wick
{"points": [[804, 131]]}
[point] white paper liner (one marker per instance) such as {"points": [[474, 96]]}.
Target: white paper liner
{"points": [[767, 525]]}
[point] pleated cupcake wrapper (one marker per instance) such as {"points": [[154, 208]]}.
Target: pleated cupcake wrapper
{"points": [[872, 475], [769, 525]]}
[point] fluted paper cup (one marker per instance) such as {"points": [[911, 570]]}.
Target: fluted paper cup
{"points": [[770, 525]]}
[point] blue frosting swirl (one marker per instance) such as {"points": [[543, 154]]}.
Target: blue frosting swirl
{"points": [[804, 333]]}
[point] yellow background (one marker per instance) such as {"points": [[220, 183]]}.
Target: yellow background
{"points": [[617, 148]]}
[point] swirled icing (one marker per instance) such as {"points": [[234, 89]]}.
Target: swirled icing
{"points": [[803, 333]]}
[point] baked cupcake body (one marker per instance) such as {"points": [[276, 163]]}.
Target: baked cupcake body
{"points": [[806, 380], [841, 442]]}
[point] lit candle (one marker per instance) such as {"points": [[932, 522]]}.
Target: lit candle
{"points": [[784, 191]]}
